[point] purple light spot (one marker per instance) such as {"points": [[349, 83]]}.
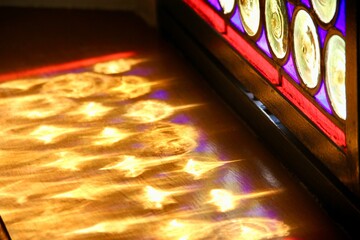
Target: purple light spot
{"points": [[139, 72], [193, 186], [322, 99], [181, 119], [116, 120], [220, 218], [341, 19], [223, 157], [244, 183], [123, 102], [215, 4], [306, 3], [290, 8], [202, 147], [259, 210], [186, 207], [80, 70], [161, 175], [262, 43], [203, 144], [137, 145], [289, 67], [236, 20], [142, 127], [322, 35], [160, 94]]}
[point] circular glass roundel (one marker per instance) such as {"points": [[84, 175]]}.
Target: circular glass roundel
{"points": [[306, 49], [335, 67], [227, 5], [250, 15], [325, 9], [277, 27]]}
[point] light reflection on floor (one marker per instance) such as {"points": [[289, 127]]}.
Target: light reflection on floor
{"points": [[88, 155]]}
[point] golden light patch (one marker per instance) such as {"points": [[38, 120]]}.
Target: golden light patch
{"points": [[116, 66], [149, 111]]}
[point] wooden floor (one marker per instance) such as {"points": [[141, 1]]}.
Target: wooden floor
{"points": [[108, 133]]}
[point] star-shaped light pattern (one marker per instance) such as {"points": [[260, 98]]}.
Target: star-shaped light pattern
{"points": [[49, 134], [91, 154]]}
